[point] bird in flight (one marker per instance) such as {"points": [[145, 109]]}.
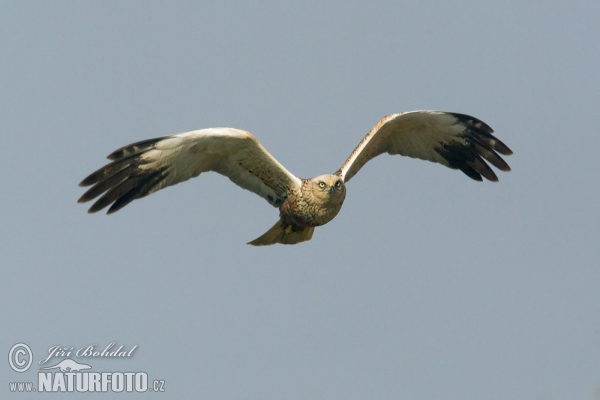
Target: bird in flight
{"points": [[457, 141]]}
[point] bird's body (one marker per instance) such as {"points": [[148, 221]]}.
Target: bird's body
{"points": [[315, 203], [457, 141]]}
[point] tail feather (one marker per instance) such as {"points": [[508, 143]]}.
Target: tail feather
{"points": [[284, 234]]}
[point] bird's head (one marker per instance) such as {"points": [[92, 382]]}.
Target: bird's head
{"points": [[328, 188]]}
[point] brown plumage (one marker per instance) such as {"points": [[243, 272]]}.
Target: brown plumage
{"points": [[457, 141], [315, 203]]}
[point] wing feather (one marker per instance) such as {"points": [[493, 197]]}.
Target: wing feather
{"points": [[457, 141], [142, 168]]}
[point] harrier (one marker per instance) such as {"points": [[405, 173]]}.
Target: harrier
{"points": [[457, 141]]}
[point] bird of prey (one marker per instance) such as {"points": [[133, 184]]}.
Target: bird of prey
{"points": [[457, 141]]}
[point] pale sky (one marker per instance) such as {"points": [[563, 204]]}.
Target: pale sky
{"points": [[427, 285]]}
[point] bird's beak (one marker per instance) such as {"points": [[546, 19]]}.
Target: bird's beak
{"points": [[331, 189]]}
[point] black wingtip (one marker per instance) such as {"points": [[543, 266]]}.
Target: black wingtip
{"points": [[472, 174], [134, 148], [479, 144], [502, 148], [89, 180], [472, 122]]}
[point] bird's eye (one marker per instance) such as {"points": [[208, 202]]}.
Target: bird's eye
{"points": [[338, 184], [322, 185]]}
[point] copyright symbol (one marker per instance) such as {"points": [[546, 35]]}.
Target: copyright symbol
{"points": [[20, 357]]}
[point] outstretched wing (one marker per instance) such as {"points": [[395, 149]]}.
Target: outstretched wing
{"points": [[142, 168], [457, 141]]}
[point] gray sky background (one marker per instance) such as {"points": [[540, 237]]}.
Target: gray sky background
{"points": [[426, 286]]}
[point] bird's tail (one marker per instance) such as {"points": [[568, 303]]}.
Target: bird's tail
{"points": [[285, 234]]}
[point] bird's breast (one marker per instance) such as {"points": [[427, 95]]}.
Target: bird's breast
{"points": [[306, 211]]}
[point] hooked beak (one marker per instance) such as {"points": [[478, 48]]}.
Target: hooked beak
{"points": [[331, 189]]}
